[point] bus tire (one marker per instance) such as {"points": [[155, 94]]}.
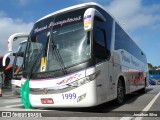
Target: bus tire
{"points": [[120, 92], [143, 90]]}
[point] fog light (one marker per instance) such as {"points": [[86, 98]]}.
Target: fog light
{"points": [[81, 97]]}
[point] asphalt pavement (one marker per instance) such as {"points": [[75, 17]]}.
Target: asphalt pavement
{"points": [[134, 105]]}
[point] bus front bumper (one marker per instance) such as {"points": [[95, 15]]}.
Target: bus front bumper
{"points": [[83, 96]]}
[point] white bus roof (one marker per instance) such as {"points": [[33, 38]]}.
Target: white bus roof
{"points": [[82, 5], [70, 8]]}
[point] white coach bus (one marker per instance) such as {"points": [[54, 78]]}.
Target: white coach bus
{"points": [[81, 57], [17, 60], [18, 67]]}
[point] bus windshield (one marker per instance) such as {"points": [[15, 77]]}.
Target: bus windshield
{"points": [[70, 40], [18, 60]]}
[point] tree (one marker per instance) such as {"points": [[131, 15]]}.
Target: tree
{"points": [[158, 67], [150, 67]]}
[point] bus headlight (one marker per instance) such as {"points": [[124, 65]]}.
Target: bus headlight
{"points": [[83, 81]]}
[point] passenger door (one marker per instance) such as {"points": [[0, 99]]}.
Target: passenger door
{"points": [[101, 56]]}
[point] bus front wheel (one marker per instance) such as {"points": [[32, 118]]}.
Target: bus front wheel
{"points": [[120, 92]]}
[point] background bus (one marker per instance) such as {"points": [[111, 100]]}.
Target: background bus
{"points": [[17, 67], [154, 76], [81, 57]]}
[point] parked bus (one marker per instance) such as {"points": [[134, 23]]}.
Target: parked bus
{"points": [[80, 57], [17, 67], [17, 54], [154, 74]]}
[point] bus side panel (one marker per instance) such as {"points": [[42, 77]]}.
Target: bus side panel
{"points": [[102, 82], [133, 70], [115, 68]]}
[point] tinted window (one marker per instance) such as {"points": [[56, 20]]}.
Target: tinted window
{"points": [[158, 72], [123, 41], [154, 72], [100, 49], [99, 36], [150, 72], [107, 26]]}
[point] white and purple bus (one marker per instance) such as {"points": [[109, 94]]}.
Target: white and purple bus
{"points": [[81, 57]]}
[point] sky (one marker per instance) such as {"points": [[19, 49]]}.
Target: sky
{"points": [[140, 19]]}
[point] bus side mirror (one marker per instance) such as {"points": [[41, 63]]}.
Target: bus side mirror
{"points": [[13, 38], [89, 16]]}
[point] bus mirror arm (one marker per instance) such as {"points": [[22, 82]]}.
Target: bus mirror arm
{"points": [[20, 54], [14, 54], [15, 37]]}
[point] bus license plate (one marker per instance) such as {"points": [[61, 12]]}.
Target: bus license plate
{"points": [[47, 101]]}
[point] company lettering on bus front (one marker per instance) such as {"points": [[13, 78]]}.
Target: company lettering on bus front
{"points": [[76, 76], [52, 24]]}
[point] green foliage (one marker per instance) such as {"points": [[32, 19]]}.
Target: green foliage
{"points": [[151, 67]]}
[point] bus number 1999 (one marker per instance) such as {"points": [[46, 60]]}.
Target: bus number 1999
{"points": [[69, 96]]}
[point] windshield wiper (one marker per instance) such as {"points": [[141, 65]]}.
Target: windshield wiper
{"points": [[57, 54]]}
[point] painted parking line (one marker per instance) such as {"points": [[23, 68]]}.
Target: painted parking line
{"points": [[12, 101], [144, 110], [148, 106], [17, 106], [14, 106]]}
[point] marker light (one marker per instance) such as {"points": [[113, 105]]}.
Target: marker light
{"points": [[80, 98]]}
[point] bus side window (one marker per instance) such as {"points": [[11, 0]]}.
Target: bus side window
{"points": [[100, 43], [150, 72]]}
